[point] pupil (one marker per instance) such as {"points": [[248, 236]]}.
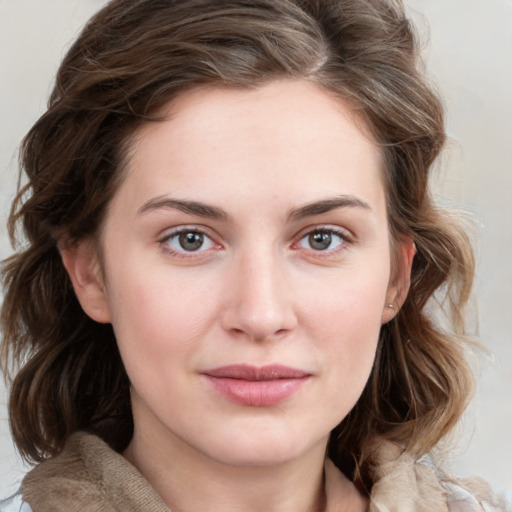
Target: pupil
{"points": [[191, 241], [320, 240]]}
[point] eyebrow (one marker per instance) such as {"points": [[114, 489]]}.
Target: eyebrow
{"points": [[214, 212], [327, 205], [192, 207]]}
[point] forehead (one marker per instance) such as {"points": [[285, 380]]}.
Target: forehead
{"points": [[292, 134], [297, 108]]}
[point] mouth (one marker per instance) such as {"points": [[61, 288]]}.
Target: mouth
{"points": [[257, 386]]}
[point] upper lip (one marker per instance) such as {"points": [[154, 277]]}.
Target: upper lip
{"points": [[254, 373]]}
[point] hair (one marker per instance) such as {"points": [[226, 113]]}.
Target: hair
{"points": [[132, 58]]}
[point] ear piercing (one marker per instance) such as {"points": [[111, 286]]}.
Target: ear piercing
{"points": [[390, 306]]}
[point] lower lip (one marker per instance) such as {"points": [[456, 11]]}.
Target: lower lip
{"points": [[257, 393]]}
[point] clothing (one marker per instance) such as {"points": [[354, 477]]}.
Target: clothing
{"points": [[404, 484], [90, 477], [89, 473]]}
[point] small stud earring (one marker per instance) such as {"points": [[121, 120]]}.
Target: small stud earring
{"points": [[391, 306]]}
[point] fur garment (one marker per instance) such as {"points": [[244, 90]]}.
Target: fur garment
{"points": [[90, 477]]}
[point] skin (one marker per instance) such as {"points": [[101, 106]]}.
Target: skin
{"points": [[255, 292]]}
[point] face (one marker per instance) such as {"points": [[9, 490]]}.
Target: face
{"points": [[246, 271]]}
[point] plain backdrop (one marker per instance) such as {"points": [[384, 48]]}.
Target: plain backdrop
{"points": [[467, 46]]}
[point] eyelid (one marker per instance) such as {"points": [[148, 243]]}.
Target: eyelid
{"points": [[347, 236], [170, 233], [345, 233]]}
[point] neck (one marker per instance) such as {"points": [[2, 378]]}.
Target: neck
{"points": [[252, 474], [189, 481]]}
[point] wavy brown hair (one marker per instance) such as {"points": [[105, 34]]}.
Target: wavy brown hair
{"points": [[133, 57]]}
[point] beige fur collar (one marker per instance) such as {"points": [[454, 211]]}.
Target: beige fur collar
{"points": [[404, 485], [91, 477]]}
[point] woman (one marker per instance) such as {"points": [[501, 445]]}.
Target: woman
{"points": [[231, 250]]}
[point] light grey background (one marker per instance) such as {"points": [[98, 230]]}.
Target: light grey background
{"points": [[468, 49]]}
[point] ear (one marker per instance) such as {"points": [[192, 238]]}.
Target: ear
{"points": [[400, 281], [82, 264]]}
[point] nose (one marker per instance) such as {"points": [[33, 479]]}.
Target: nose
{"points": [[258, 301]]}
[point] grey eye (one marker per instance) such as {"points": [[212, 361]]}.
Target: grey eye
{"points": [[191, 241], [320, 240]]}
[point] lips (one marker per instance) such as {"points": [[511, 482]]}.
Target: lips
{"points": [[257, 386]]}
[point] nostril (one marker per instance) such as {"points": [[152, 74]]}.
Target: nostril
{"points": [[260, 307]]}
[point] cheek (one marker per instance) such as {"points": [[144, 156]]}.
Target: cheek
{"points": [[157, 318], [347, 324], [350, 306], [351, 339]]}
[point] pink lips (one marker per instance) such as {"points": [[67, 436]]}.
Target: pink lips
{"points": [[257, 387]]}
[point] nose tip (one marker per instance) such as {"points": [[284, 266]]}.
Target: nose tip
{"points": [[259, 305], [260, 321]]}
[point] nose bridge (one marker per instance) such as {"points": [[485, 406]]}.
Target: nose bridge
{"points": [[259, 304]]}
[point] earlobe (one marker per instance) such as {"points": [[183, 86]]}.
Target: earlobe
{"points": [[82, 264], [401, 279]]}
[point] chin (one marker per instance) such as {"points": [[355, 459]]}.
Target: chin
{"points": [[263, 449], [258, 457]]}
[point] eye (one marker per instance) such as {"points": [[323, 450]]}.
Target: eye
{"points": [[322, 240], [187, 240]]}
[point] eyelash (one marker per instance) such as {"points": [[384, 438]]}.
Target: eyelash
{"points": [[343, 235], [164, 242], [345, 240]]}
